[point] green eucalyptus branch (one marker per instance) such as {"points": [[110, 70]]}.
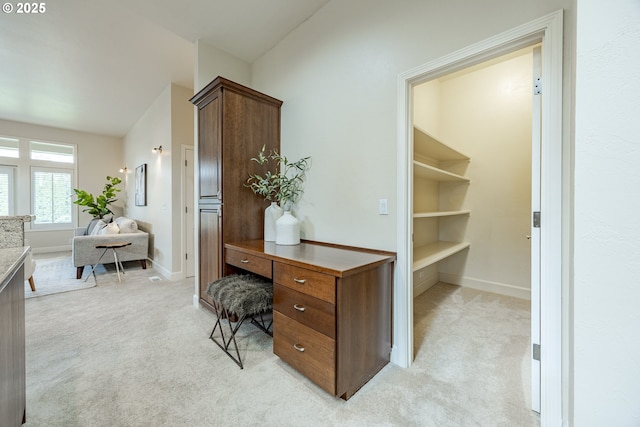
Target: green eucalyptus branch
{"points": [[285, 184]]}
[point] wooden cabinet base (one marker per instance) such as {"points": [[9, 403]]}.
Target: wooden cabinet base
{"points": [[332, 309], [308, 351], [12, 350]]}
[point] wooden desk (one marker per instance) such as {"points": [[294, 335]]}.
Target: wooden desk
{"points": [[332, 308]]}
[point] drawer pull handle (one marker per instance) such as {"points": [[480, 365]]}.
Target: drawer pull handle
{"points": [[299, 348], [301, 281], [244, 261], [297, 307]]}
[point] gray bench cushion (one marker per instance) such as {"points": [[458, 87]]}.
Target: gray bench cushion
{"points": [[242, 294]]}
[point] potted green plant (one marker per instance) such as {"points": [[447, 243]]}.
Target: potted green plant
{"points": [[283, 186], [98, 207]]}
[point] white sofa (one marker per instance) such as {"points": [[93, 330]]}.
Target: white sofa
{"points": [[84, 251]]}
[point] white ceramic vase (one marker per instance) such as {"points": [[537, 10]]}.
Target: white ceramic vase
{"points": [[271, 214], [287, 230]]}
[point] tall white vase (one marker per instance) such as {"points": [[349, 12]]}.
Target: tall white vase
{"points": [[287, 230], [271, 214]]}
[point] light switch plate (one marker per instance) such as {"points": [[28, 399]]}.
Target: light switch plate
{"points": [[383, 207]]}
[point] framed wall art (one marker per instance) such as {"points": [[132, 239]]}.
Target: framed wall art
{"points": [[141, 185]]}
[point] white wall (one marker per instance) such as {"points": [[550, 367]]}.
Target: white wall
{"points": [[167, 122], [426, 107], [606, 227], [212, 62], [97, 156], [337, 75], [485, 113]]}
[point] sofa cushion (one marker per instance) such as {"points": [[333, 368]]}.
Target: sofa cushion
{"points": [[97, 228], [111, 228], [92, 224], [126, 225]]}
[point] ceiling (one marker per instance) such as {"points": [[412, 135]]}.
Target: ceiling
{"points": [[96, 66]]}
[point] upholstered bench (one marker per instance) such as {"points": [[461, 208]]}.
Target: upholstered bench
{"points": [[238, 297]]}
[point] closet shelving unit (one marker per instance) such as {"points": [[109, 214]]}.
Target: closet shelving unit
{"points": [[438, 162]]}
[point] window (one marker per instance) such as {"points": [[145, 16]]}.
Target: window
{"points": [[7, 190], [37, 178], [9, 147], [61, 153], [51, 190]]}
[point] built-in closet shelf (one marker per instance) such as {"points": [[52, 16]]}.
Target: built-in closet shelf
{"points": [[439, 214], [423, 170], [435, 161], [429, 146], [424, 256]]}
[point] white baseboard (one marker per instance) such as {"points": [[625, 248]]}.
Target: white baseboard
{"points": [[196, 301], [421, 286], [173, 276], [49, 249], [487, 286]]}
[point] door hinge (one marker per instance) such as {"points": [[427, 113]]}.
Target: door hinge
{"points": [[536, 352], [536, 219], [537, 86], [186, 256]]}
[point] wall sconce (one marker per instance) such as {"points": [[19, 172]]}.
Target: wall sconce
{"points": [[157, 150], [124, 170]]}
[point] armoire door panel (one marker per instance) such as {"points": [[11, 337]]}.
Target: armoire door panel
{"points": [[210, 137], [210, 250], [249, 125]]}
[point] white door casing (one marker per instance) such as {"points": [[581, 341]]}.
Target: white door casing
{"points": [[188, 211], [549, 31]]}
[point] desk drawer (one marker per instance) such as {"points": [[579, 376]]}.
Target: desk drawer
{"points": [[312, 312], [318, 285], [252, 263], [309, 352]]}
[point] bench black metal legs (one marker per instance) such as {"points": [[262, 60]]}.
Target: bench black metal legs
{"points": [[230, 337], [245, 297]]}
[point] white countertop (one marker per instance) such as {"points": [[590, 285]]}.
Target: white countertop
{"points": [[10, 260], [24, 218]]}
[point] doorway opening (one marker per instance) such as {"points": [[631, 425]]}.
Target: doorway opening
{"points": [[548, 31], [472, 204]]}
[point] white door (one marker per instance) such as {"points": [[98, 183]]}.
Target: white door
{"points": [[189, 237], [536, 124]]}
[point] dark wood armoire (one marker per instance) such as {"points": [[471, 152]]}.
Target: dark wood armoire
{"points": [[234, 123]]}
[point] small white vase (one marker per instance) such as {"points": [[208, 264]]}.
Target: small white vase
{"points": [[271, 214], [287, 230]]}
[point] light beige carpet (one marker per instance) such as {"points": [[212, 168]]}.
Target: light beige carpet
{"points": [[138, 354]]}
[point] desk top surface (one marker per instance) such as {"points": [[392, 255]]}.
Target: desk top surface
{"points": [[327, 258]]}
